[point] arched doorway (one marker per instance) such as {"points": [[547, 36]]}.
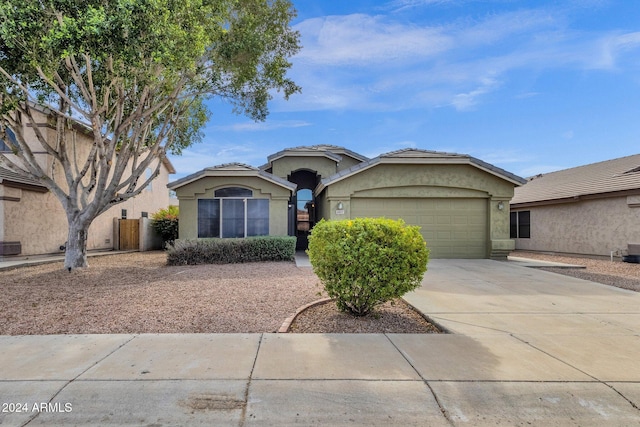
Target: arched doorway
{"points": [[303, 201]]}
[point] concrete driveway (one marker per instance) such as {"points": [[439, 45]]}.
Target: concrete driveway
{"points": [[527, 348]]}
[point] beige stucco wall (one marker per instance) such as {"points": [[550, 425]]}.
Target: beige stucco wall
{"points": [[428, 181], [150, 201], [204, 188], [38, 221], [590, 227]]}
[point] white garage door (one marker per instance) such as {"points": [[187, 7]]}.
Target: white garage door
{"points": [[453, 228]]}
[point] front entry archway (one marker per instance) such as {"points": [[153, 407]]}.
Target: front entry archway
{"points": [[303, 201]]}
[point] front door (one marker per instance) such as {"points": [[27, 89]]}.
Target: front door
{"points": [[305, 217]]}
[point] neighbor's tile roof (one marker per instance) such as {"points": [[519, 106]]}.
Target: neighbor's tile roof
{"points": [[9, 176], [597, 178]]}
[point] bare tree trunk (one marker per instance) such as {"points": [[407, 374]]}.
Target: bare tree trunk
{"points": [[76, 250]]}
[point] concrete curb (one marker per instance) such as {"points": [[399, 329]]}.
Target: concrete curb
{"points": [[289, 320], [9, 264]]}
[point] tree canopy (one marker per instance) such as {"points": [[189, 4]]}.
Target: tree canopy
{"points": [[136, 73]]}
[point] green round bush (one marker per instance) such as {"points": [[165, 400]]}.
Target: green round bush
{"points": [[364, 262], [165, 223]]}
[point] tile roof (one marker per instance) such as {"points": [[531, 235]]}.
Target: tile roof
{"points": [[595, 179], [230, 169], [330, 151], [412, 155], [9, 176]]}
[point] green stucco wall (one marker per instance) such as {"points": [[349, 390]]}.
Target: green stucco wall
{"points": [[428, 181], [284, 166], [204, 188]]}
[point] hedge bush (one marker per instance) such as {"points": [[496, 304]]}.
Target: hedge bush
{"points": [[229, 251], [364, 262], [165, 223]]}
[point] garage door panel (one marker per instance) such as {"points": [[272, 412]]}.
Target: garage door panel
{"points": [[453, 228], [443, 220]]}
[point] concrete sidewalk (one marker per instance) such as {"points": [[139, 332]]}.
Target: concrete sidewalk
{"points": [[528, 347]]}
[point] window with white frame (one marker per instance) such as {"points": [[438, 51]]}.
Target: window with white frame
{"points": [[233, 212]]}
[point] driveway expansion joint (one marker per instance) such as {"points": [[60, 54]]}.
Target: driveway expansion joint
{"points": [[243, 414], [72, 380], [442, 409]]}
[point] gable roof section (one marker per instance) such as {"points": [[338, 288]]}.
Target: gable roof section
{"points": [[12, 179], [417, 156], [232, 169], [593, 180], [332, 152]]}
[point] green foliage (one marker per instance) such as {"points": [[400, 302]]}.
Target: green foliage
{"points": [[366, 261], [165, 223], [136, 74], [231, 251]]}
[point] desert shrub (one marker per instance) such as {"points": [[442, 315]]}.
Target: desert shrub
{"points": [[228, 251], [364, 262], [165, 223]]}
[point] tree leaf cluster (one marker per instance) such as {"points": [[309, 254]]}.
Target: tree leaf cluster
{"points": [[133, 77]]}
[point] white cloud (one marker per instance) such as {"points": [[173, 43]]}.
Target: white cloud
{"points": [[362, 40], [378, 63], [613, 46], [568, 134], [466, 101], [200, 156], [262, 126], [399, 5]]}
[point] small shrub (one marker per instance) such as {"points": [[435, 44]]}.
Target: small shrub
{"points": [[229, 251], [165, 223], [364, 262]]}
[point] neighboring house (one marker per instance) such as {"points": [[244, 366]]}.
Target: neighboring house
{"points": [[460, 202], [591, 210], [32, 220]]}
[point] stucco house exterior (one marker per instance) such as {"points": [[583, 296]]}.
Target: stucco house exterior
{"points": [[460, 202], [32, 220], [590, 210]]}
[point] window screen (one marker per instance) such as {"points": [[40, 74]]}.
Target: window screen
{"points": [[208, 218]]}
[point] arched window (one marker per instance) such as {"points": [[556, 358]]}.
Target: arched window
{"points": [[233, 192], [233, 212]]}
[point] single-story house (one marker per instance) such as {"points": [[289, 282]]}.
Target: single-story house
{"points": [[591, 210], [461, 203], [33, 222]]}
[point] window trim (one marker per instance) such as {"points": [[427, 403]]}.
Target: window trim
{"points": [[245, 217]]}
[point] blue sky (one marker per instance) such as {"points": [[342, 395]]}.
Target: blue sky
{"points": [[529, 86]]}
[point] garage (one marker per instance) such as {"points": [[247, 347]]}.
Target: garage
{"points": [[452, 227]]}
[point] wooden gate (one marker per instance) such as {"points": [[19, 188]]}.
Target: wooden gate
{"points": [[129, 234]]}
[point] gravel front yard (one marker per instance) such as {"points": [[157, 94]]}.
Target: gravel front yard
{"points": [[138, 293], [617, 273]]}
